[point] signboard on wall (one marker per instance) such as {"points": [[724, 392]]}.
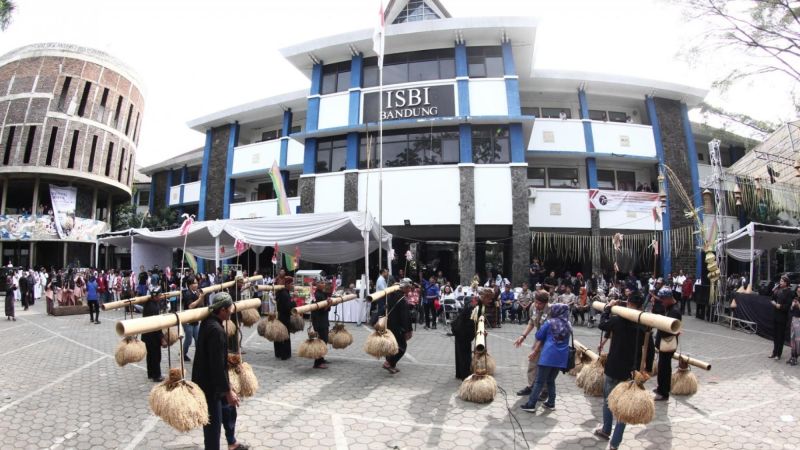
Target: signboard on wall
{"points": [[627, 201], [416, 102], [63, 201]]}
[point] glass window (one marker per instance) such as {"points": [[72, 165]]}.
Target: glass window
{"points": [[597, 115], [605, 179], [536, 177], [144, 198], [555, 113], [270, 135], [411, 66], [447, 68], [423, 70], [530, 111], [395, 73], [626, 181], [563, 178], [415, 10], [490, 145], [331, 155], [485, 62], [335, 78], [370, 77], [412, 148], [616, 116]]}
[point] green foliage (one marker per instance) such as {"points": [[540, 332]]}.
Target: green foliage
{"points": [[6, 8], [125, 216], [761, 126]]}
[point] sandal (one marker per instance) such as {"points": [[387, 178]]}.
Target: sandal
{"points": [[393, 370]]}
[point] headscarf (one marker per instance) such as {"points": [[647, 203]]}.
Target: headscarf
{"points": [[560, 327]]}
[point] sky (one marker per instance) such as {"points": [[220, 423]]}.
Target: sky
{"points": [[195, 57]]}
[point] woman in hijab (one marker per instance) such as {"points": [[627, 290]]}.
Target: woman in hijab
{"points": [[552, 348]]}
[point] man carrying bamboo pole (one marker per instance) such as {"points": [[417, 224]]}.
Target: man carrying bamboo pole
{"points": [[152, 340], [319, 319], [666, 343], [398, 321]]}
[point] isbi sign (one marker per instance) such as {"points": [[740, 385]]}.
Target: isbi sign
{"points": [[411, 103]]}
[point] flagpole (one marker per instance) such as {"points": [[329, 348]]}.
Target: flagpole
{"points": [[380, 156]]}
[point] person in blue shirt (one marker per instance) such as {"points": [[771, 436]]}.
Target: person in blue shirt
{"points": [[552, 349], [92, 299], [431, 294], [507, 301]]}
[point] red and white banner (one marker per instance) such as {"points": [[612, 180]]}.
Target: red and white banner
{"points": [[627, 201]]}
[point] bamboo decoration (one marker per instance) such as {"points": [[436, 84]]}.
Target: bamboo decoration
{"points": [[140, 325], [323, 304], [481, 355], [136, 300], [691, 361], [269, 287], [663, 323], [227, 284], [381, 294], [580, 348]]}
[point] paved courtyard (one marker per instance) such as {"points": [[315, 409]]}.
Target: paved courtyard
{"points": [[62, 389]]}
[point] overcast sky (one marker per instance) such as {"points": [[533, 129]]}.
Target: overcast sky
{"points": [[199, 56]]}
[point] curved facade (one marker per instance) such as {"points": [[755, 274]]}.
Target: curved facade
{"points": [[70, 118]]}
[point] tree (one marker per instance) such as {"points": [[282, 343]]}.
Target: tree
{"points": [[125, 216], [6, 8], [767, 31]]}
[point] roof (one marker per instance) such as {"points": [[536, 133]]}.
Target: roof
{"points": [[190, 158], [777, 152], [138, 176], [252, 111]]}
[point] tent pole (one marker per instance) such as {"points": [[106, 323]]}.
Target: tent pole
{"points": [[216, 254], [752, 249], [97, 252]]}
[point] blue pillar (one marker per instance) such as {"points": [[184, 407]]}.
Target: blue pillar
{"points": [[184, 174], [230, 184], [312, 115], [201, 207], [697, 195], [169, 185], [512, 82], [286, 129], [310, 156], [465, 142], [353, 145], [516, 142], [588, 137], [356, 72], [152, 199], [462, 80], [666, 254]]}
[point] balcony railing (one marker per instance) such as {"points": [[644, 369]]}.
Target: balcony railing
{"points": [[627, 139], [260, 208], [191, 193], [258, 157]]}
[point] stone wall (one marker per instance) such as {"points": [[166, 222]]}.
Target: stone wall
{"points": [[160, 194], [466, 242], [215, 181], [520, 229], [306, 187], [351, 191]]}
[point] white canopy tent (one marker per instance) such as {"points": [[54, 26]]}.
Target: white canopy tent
{"points": [[761, 236], [326, 238]]}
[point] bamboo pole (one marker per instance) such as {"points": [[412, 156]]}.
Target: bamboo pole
{"points": [[227, 284], [136, 300], [480, 336], [149, 324], [663, 323], [585, 350], [270, 287], [323, 304], [381, 294], [691, 361]]}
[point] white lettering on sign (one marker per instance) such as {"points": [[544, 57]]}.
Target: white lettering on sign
{"points": [[404, 113], [407, 97]]}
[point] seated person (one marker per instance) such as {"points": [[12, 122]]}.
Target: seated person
{"points": [[507, 302]]}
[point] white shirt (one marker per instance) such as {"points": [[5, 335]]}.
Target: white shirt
{"points": [[380, 284]]}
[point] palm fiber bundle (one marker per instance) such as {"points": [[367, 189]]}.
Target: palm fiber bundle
{"points": [[580, 360], [261, 328], [630, 402], [296, 323], [592, 377], [488, 361], [171, 335], [230, 327], [274, 329], [480, 387], [313, 347], [130, 350], [248, 317], [381, 342], [339, 336], [684, 382], [241, 376], [178, 402]]}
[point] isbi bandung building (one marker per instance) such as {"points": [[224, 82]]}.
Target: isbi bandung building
{"points": [[488, 161]]}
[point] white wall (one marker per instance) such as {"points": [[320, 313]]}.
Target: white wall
{"points": [[258, 156], [334, 110], [261, 208], [175, 195], [295, 154], [329, 193], [628, 220], [487, 97], [566, 135], [426, 195], [191, 192], [493, 195], [560, 208], [623, 139], [704, 172]]}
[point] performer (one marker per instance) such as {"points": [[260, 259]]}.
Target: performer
{"points": [[319, 319], [539, 312], [192, 297], [152, 340], [794, 337], [23, 290], [781, 301], [398, 321], [665, 356], [210, 372], [464, 332], [283, 298], [10, 288]]}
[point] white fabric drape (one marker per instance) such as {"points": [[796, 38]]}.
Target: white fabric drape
{"points": [[741, 254]]}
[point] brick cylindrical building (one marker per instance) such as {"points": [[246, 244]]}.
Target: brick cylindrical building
{"points": [[70, 119]]}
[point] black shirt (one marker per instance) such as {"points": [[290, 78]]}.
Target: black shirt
{"points": [[399, 319], [210, 369], [625, 352], [675, 312], [784, 298]]}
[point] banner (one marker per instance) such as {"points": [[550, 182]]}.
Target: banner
{"points": [[43, 228], [627, 201], [63, 200]]}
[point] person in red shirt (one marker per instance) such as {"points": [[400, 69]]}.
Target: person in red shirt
{"points": [[102, 286], [686, 295]]}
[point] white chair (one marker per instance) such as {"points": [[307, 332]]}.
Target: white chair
{"points": [[450, 309]]}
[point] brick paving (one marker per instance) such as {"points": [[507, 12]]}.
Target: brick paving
{"points": [[62, 389]]}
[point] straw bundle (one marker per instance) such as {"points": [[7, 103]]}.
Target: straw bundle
{"points": [[261, 328], [684, 382], [242, 379], [631, 403], [274, 329], [313, 347], [381, 342], [179, 403], [339, 336], [489, 362], [249, 317], [171, 336], [130, 350], [296, 323], [480, 387], [230, 327], [580, 359], [592, 377]]}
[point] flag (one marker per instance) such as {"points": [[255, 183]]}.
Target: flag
{"points": [[280, 191], [275, 255], [656, 215], [292, 263], [378, 34], [333, 284], [187, 223], [240, 246], [191, 261], [654, 244]]}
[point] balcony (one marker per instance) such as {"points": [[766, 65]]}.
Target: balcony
{"points": [[556, 135], [261, 208], [258, 157], [627, 139], [569, 208], [191, 193]]}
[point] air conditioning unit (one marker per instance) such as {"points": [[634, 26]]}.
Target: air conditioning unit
{"points": [[531, 192]]}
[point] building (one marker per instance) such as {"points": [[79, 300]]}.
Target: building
{"points": [[71, 119], [488, 160]]}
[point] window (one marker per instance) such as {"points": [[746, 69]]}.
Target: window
{"points": [[90, 168], [72, 150], [144, 198], [555, 113], [485, 62], [605, 180], [121, 163], [413, 66], [701, 157], [421, 147], [128, 120], [264, 191], [29, 145], [530, 111], [537, 177], [9, 145], [62, 99], [131, 168], [84, 98], [608, 116], [109, 157], [414, 11], [598, 115], [51, 146], [104, 98], [295, 129], [270, 135], [101, 111], [118, 110], [335, 78], [626, 181], [616, 116], [192, 174], [490, 145], [563, 178], [331, 155], [175, 180], [135, 125]]}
